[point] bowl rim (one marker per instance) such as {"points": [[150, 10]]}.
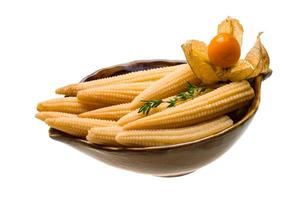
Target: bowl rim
{"points": [[252, 110]]}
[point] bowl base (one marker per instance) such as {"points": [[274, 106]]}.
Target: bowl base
{"points": [[176, 175]]}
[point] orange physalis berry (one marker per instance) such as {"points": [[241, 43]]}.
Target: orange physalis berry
{"points": [[224, 50]]}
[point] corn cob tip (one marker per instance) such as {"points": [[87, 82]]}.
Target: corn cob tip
{"points": [[121, 121], [88, 115], [38, 116], [76, 126], [40, 107], [50, 121], [129, 117], [65, 105], [49, 114], [90, 135], [84, 115], [67, 90], [104, 135]]}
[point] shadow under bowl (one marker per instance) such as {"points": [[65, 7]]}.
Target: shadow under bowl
{"points": [[171, 160]]}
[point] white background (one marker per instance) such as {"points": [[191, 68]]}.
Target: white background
{"points": [[47, 44]]}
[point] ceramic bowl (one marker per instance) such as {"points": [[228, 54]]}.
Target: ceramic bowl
{"points": [[171, 160]]}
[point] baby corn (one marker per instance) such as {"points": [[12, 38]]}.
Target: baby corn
{"points": [[67, 105], [90, 104], [108, 113], [213, 104], [161, 137], [45, 115], [170, 85], [135, 115], [77, 126], [139, 76], [104, 135], [112, 94]]}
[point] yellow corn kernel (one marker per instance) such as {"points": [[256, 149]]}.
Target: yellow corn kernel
{"points": [[170, 85], [112, 94], [67, 105], [77, 126], [104, 135], [45, 115], [159, 137], [213, 104], [139, 76], [108, 113]]}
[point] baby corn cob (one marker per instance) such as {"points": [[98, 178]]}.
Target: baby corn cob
{"points": [[108, 113], [104, 135], [67, 105], [171, 84], [77, 126], [213, 104], [112, 94], [161, 137], [90, 104], [45, 115], [139, 76], [135, 114]]}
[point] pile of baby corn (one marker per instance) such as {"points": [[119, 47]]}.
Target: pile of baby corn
{"points": [[105, 111]]}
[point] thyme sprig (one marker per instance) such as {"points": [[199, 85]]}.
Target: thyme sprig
{"points": [[192, 91], [145, 109]]}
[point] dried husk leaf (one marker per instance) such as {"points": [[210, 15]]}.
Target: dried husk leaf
{"points": [[232, 26], [259, 58], [241, 71], [197, 58]]}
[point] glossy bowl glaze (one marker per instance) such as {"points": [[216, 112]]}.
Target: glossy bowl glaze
{"points": [[171, 160]]}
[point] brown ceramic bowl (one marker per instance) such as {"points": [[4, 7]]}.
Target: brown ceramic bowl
{"points": [[171, 160]]}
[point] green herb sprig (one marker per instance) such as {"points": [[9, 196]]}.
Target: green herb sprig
{"points": [[192, 91], [145, 109]]}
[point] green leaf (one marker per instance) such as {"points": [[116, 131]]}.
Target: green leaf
{"points": [[182, 96], [172, 103], [191, 88], [145, 109]]}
